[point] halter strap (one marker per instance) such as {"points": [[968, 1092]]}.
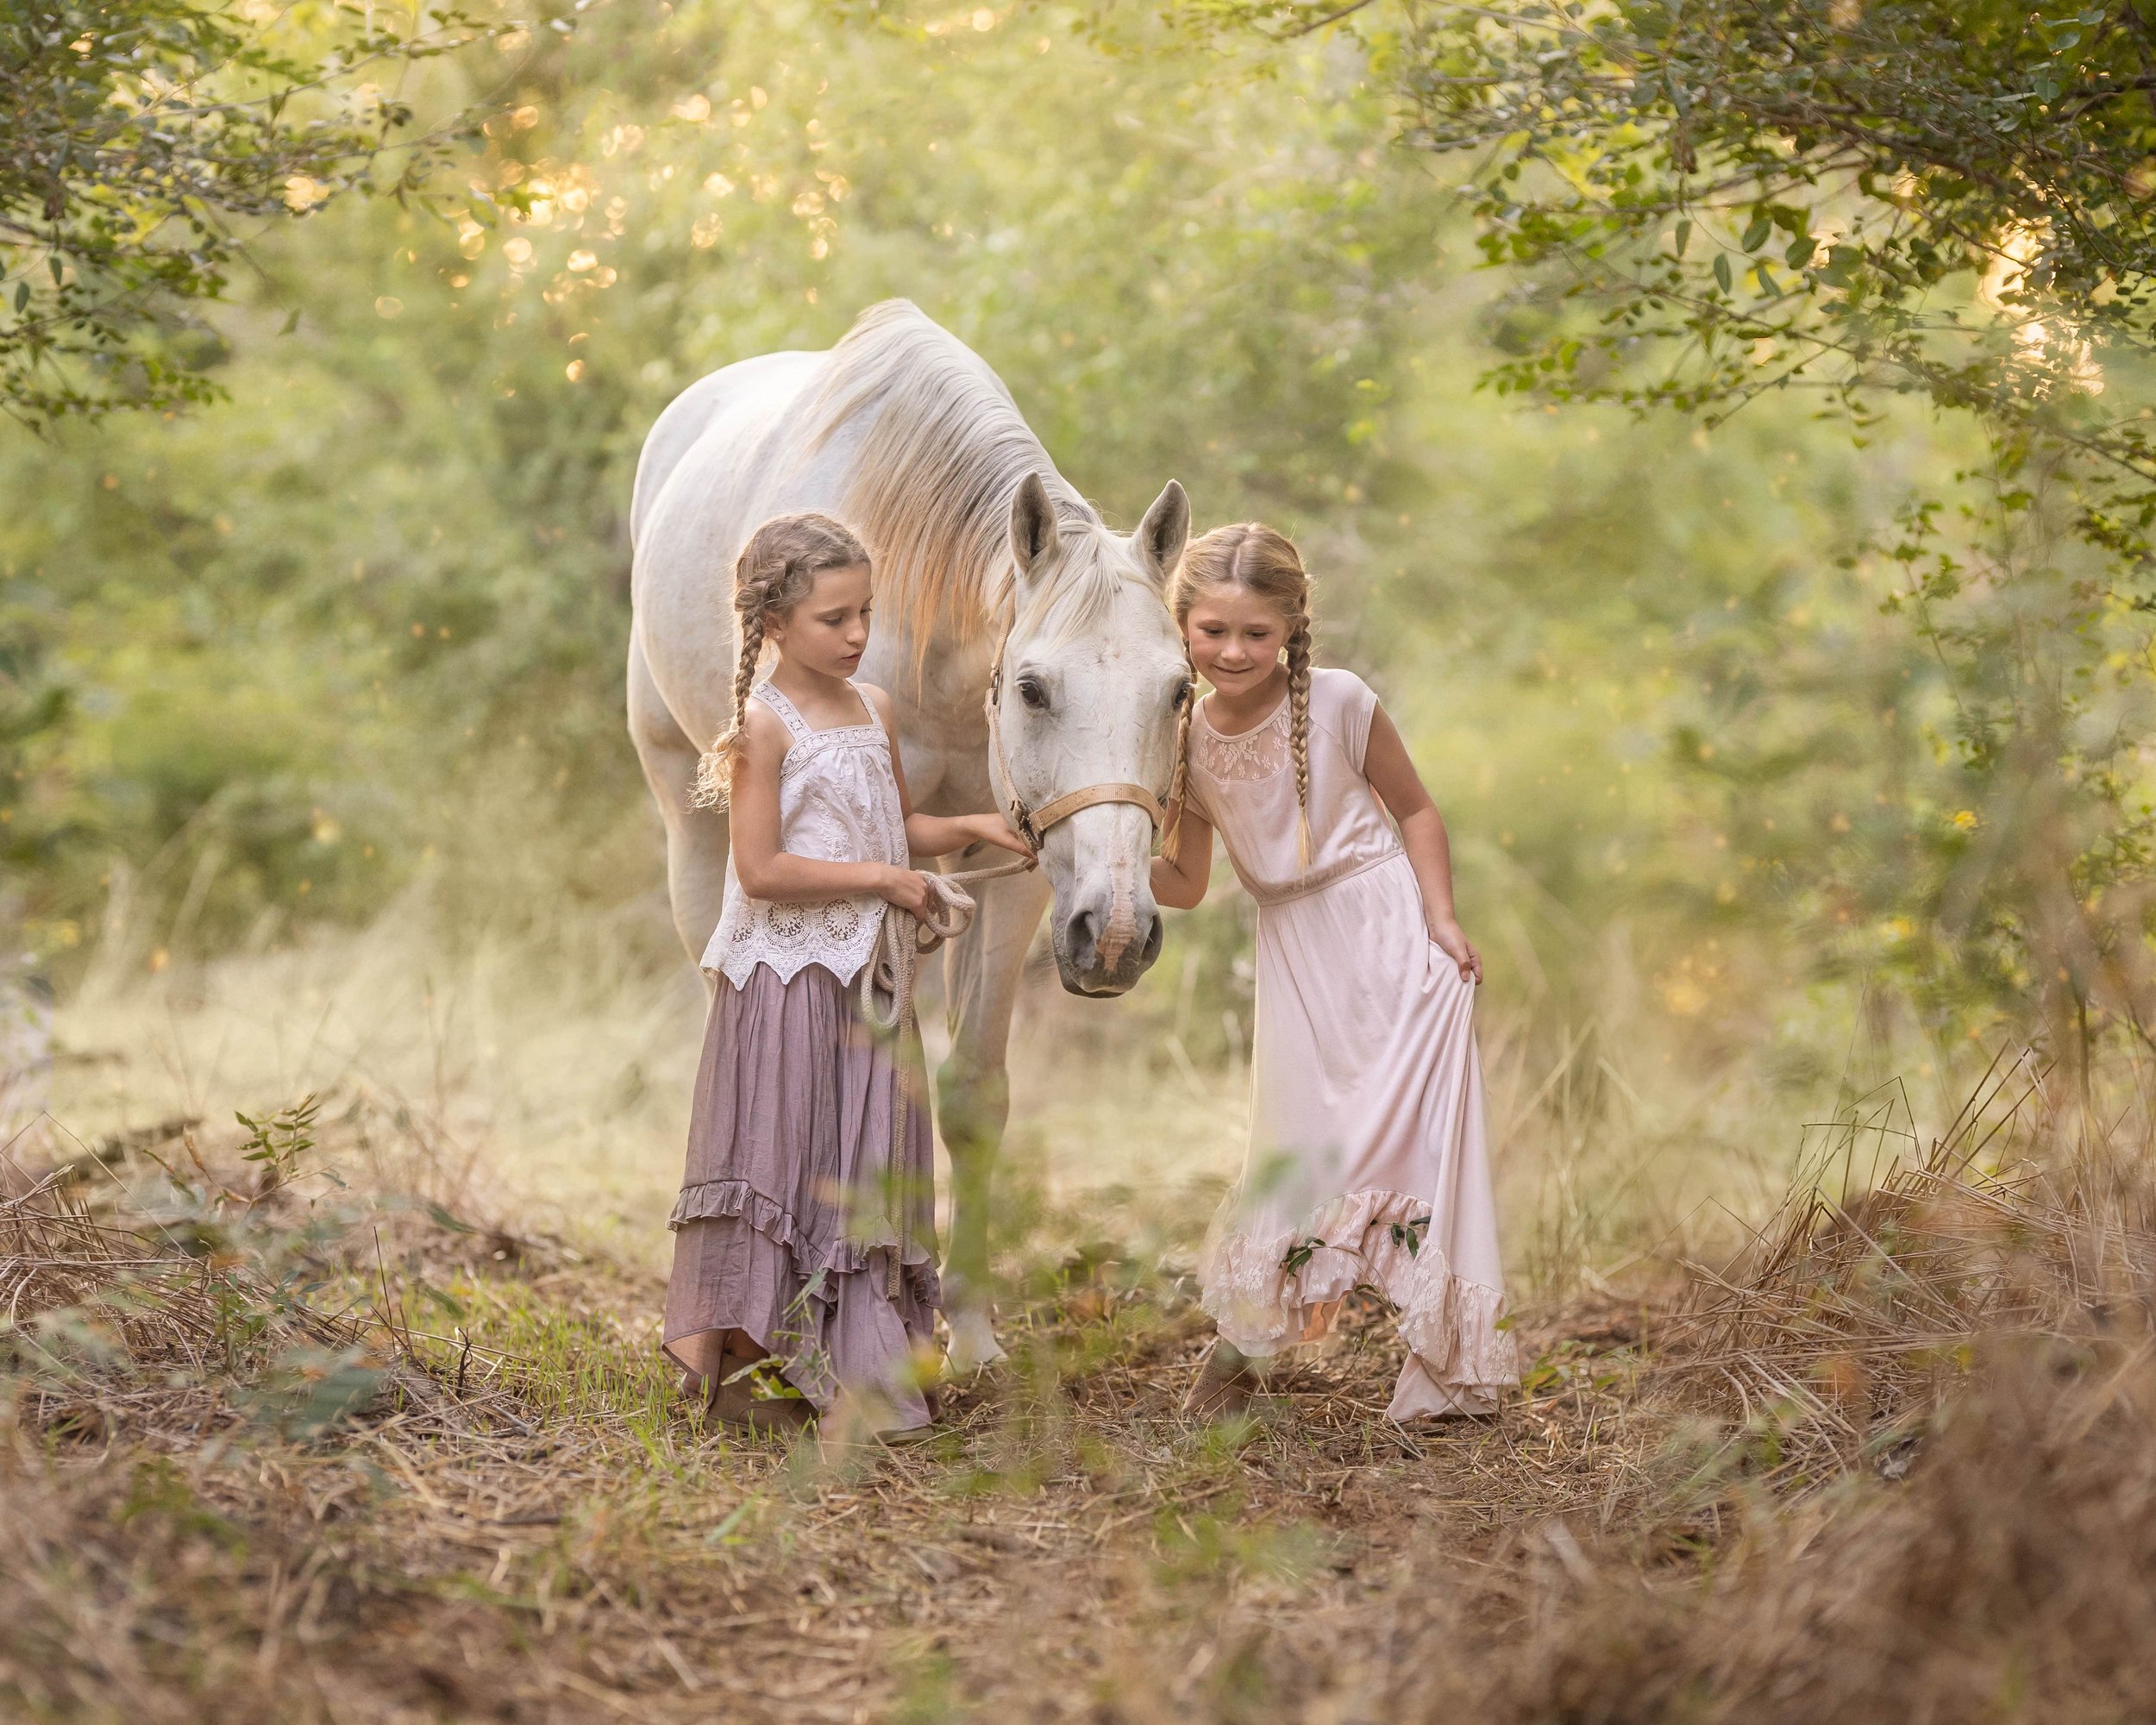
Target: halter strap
{"points": [[1070, 802], [1032, 822]]}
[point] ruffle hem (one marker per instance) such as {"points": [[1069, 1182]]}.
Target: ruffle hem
{"points": [[848, 1331], [1261, 1305]]}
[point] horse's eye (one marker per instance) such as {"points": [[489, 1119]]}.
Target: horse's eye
{"points": [[1032, 693], [1183, 693]]}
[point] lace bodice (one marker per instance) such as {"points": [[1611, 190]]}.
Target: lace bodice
{"points": [[1245, 786], [839, 802], [1244, 760]]}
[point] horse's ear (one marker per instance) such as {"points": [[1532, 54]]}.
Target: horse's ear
{"points": [[1034, 535], [1161, 536]]}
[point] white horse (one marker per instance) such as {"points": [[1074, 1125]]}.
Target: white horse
{"points": [[906, 435]]}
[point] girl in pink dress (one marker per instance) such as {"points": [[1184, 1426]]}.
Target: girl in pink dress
{"points": [[1366, 1164]]}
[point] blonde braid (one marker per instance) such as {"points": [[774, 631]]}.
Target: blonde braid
{"points": [[1298, 732], [1179, 786], [715, 770]]}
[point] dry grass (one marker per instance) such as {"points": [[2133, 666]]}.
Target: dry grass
{"points": [[1897, 1461], [1860, 1304], [533, 1527], [276, 1449]]}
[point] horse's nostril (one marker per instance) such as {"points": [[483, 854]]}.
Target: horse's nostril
{"points": [[1153, 934], [1079, 938]]}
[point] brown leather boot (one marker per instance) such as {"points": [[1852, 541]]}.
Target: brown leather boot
{"points": [[737, 1404], [1225, 1386]]}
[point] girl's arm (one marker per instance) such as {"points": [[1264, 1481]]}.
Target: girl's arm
{"points": [[779, 876], [1181, 885], [1422, 835], [938, 835]]}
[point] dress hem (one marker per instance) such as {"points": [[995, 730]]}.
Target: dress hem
{"points": [[712, 1201], [1262, 1305], [849, 1332]]}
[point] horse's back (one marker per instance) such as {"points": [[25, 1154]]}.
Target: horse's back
{"points": [[720, 459], [736, 448], [705, 404]]}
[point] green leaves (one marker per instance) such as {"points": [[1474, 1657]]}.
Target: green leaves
{"points": [[145, 141], [2030, 122], [1841, 266], [280, 1142], [1301, 1253]]}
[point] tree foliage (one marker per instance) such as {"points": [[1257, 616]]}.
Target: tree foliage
{"points": [[1703, 203], [143, 143], [285, 659], [1853, 197]]}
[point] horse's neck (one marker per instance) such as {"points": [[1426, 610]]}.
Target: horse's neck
{"points": [[946, 693]]}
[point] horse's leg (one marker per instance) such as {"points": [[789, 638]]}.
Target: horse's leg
{"points": [[981, 980], [696, 837]]}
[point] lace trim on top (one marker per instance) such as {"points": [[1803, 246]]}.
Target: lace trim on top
{"points": [[1249, 755], [839, 802]]}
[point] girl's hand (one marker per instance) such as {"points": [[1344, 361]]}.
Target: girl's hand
{"points": [[992, 829], [1453, 941], [907, 888]]}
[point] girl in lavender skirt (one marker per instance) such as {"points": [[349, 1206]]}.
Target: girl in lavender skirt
{"points": [[792, 1210]]}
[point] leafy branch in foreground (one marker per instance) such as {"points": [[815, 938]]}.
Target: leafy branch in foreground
{"points": [[141, 143]]}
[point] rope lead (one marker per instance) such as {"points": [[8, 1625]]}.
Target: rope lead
{"points": [[886, 1005]]}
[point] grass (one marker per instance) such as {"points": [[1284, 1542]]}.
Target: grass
{"points": [[517, 1508], [278, 1447]]}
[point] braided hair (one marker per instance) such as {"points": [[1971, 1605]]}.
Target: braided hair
{"points": [[1171, 845], [776, 570], [1266, 564]]}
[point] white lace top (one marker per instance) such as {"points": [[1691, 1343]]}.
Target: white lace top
{"points": [[839, 802], [1245, 786]]}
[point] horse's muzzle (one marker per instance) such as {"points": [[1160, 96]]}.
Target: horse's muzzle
{"points": [[1100, 953]]}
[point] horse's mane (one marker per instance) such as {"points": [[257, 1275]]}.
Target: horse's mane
{"points": [[934, 476]]}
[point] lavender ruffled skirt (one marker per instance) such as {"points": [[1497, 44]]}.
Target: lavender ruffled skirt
{"points": [[789, 1209]]}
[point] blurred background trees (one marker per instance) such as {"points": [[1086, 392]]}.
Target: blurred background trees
{"points": [[1747, 726], [1699, 206]]}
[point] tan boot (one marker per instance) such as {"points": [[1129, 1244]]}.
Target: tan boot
{"points": [[1225, 1387], [733, 1401]]}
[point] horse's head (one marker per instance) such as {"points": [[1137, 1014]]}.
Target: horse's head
{"points": [[1094, 678]]}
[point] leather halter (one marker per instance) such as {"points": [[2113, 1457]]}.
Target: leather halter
{"points": [[1032, 822]]}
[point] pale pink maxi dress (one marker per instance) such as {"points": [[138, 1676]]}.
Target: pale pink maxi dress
{"points": [[1366, 1164]]}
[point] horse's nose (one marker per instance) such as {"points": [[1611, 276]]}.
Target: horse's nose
{"points": [[1107, 950], [1085, 941]]}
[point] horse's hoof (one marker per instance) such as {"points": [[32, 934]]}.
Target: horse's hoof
{"points": [[972, 1342]]}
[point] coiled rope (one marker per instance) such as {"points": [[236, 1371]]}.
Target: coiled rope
{"points": [[886, 1005]]}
